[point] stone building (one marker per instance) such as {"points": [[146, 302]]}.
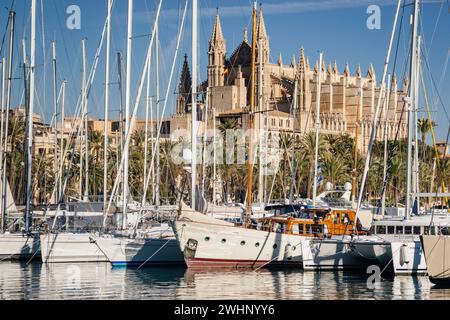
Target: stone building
{"points": [[228, 79]]}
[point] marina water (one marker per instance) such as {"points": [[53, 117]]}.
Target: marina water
{"points": [[99, 281]]}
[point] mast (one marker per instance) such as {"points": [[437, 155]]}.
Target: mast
{"points": [[3, 75], [316, 154], [147, 107], [194, 102], [106, 108], [85, 114], [214, 164], [416, 133], [294, 111], [260, 124], [250, 122], [411, 102], [127, 110], [355, 151], [158, 169], [30, 115], [61, 136], [121, 120], [204, 142], [386, 115], [55, 112], [4, 203]]}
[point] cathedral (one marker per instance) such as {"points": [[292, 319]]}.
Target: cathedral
{"points": [[226, 91]]}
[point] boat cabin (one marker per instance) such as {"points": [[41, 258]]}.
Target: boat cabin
{"points": [[317, 223]]}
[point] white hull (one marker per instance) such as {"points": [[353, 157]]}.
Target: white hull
{"points": [[70, 247], [437, 254], [217, 244], [19, 247], [122, 251], [339, 254]]}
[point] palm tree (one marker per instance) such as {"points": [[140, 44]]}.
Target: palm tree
{"points": [[425, 126]]}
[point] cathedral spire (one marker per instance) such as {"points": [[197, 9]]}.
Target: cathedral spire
{"points": [[280, 60], [261, 31], [346, 70], [293, 62], [358, 71], [335, 68], [245, 35], [185, 80], [302, 61], [217, 40], [371, 72]]}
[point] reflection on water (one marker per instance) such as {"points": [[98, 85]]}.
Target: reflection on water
{"points": [[100, 281]]}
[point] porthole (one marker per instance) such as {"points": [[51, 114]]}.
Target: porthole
{"points": [[242, 243], [224, 240], [257, 244], [207, 238], [275, 246], [293, 248]]}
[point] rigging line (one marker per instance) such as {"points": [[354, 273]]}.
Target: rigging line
{"points": [[435, 87], [435, 27], [6, 27]]}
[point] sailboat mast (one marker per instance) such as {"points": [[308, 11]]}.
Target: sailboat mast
{"points": [[260, 125], [194, 102], [30, 115], [3, 75], [158, 129], [55, 113], [85, 113], [386, 117], [316, 152], [412, 93], [250, 121], [293, 164], [147, 109], [215, 155], [355, 150], [4, 204], [61, 136], [106, 108], [127, 109]]}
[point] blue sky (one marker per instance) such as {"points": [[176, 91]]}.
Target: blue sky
{"points": [[338, 28]]}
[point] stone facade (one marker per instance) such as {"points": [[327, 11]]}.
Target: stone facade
{"points": [[341, 92]]}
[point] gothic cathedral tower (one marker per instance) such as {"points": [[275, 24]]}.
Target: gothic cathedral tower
{"points": [[217, 52]]}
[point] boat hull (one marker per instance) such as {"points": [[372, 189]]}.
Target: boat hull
{"points": [[19, 247], [206, 245], [436, 251], [123, 252], [70, 248], [336, 254]]}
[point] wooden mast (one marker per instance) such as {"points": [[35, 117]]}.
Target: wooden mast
{"points": [[251, 119], [355, 151]]}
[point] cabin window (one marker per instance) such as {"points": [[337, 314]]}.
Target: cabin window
{"points": [[408, 230], [381, 229], [336, 219], [391, 230], [257, 244], [295, 229], [224, 240], [345, 218], [207, 238], [416, 230], [308, 229], [242, 243], [399, 229], [429, 230], [300, 229], [317, 229]]}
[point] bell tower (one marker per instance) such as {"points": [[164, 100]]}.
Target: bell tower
{"points": [[217, 52]]}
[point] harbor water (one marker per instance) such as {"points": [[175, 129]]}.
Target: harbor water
{"points": [[36, 281]]}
